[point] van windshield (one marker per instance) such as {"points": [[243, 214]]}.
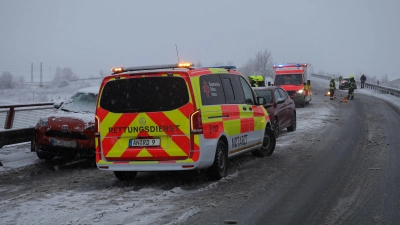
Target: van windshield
{"points": [[291, 79], [144, 94]]}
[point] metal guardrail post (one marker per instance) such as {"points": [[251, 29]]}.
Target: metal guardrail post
{"points": [[9, 118]]}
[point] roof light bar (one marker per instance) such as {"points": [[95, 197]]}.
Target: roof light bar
{"points": [[155, 67], [224, 67], [117, 70]]}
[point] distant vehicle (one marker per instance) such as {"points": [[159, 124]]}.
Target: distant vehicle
{"points": [[294, 79], [345, 84], [280, 107], [69, 131]]}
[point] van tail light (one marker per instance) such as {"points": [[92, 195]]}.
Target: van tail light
{"points": [[96, 127], [196, 126]]}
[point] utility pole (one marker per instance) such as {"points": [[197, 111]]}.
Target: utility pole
{"points": [[40, 85], [31, 72]]}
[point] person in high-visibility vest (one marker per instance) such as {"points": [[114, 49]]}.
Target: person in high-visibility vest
{"points": [[332, 87], [352, 86], [260, 81], [253, 81]]}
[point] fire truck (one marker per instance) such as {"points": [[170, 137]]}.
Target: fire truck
{"points": [[294, 79]]}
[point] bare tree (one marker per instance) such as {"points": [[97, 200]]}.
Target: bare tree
{"points": [[6, 80], [248, 68], [229, 63], [199, 64], [263, 63], [63, 76]]}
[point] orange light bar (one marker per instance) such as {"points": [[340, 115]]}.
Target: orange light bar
{"points": [[185, 65], [117, 70]]}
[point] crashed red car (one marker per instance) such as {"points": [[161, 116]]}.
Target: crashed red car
{"points": [[280, 107], [68, 131]]}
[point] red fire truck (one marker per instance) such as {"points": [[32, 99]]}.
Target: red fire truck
{"points": [[294, 78]]}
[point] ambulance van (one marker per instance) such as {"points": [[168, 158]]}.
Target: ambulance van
{"points": [[178, 117]]}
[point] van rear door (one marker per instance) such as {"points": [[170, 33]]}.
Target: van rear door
{"points": [[145, 117]]}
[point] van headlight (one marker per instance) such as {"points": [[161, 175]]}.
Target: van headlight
{"points": [[300, 91]]}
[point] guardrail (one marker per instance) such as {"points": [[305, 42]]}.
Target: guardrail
{"points": [[12, 136], [382, 89]]}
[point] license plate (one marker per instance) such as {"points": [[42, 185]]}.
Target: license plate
{"points": [[144, 142], [61, 143]]}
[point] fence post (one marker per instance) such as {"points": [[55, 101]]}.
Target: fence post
{"points": [[9, 118]]}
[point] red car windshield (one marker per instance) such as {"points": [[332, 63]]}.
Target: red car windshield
{"points": [[81, 102]]}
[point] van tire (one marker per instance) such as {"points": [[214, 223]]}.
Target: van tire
{"points": [[125, 175], [268, 145], [219, 168]]}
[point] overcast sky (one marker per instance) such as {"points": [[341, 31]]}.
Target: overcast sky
{"points": [[341, 36]]}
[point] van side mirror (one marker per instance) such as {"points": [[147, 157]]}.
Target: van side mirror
{"points": [[261, 101], [57, 104], [269, 83]]}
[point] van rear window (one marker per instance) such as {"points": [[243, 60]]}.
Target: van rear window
{"points": [[148, 94]]}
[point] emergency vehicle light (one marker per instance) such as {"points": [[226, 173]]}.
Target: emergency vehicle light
{"points": [[117, 70], [155, 67], [185, 65], [224, 67]]}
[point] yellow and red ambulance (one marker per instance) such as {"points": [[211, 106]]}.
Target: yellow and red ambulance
{"points": [[294, 79], [178, 117]]}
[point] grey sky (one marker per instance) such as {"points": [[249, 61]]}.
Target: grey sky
{"points": [[346, 36]]}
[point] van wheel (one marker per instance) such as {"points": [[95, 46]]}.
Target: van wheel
{"points": [[293, 123], [44, 155], [125, 175], [268, 145], [275, 127], [219, 168]]}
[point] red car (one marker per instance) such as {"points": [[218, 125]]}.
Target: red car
{"points": [[69, 131], [280, 107]]}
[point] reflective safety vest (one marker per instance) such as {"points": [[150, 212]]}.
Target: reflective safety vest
{"points": [[332, 85]]}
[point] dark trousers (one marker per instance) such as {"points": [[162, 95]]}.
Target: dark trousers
{"points": [[362, 83], [351, 93], [332, 91]]}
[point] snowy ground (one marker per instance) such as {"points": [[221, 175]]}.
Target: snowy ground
{"points": [[144, 206]]}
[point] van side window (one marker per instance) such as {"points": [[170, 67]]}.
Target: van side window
{"points": [[233, 89], [212, 92], [283, 93], [276, 95], [248, 92]]}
